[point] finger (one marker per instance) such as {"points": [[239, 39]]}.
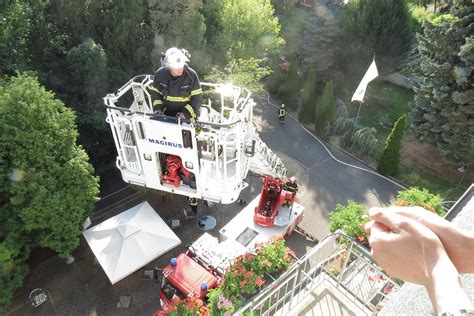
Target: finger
{"points": [[368, 226], [379, 233], [389, 219]]}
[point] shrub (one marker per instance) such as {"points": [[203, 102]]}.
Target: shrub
{"points": [[308, 102], [389, 160], [349, 218], [326, 109], [289, 91], [421, 197]]}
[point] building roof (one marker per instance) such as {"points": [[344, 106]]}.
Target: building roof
{"points": [[412, 299]]}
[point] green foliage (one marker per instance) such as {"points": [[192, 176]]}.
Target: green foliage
{"points": [[86, 63], [120, 28], [15, 30], [54, 190], [308, 103], [388, 163], [181, 24], [245, 73], [443, 109], [357, 139], [14, 250], [289, 91], [241, 29], [283, 6], [349, 218], [421, 197], [326, 109], [382, 27], [277, 77], [419, 13]]}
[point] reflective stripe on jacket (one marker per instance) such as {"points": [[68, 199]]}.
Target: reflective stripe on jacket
{"points": [[173, 95]]}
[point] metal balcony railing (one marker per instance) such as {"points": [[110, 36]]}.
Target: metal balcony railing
{"points": [[337, 264]]}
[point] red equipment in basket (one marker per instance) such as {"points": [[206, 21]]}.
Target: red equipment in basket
{"points": [[266, 210], [174, 167]]}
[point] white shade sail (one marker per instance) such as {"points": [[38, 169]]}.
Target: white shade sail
{"points": [[130, 240]]}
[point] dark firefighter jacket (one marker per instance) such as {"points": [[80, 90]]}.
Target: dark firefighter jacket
{"points": [[172, 95], [192, 201], [290, 187]]}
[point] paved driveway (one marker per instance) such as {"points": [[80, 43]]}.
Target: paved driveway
{"points": [[324, 182]]}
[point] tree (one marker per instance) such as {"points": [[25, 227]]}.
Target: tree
{"points": [[289, 91], [325, 111], [308, 102], [180, 24], [86, 65], [349, 218], [389, 160], [241, 29], [245, 73], [123, 29], [14, 251], [51, 188], [318, 44], [15, 29], [382, 27], [444, 103]]}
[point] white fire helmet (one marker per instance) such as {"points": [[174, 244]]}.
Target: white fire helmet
{"points": [[175, 58]]}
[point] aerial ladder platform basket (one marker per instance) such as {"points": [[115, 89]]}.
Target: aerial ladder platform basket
{"points": [[206, 159]]}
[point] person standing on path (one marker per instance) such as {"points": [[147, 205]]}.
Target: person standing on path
{"points": [[193, 203], [281, 114]]}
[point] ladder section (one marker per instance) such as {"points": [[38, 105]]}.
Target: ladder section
{"points": [[265, 162]]}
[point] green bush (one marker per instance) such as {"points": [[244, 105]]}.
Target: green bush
{"points": [[389, 160], [289, 91], [308, 102], [349, 218], [421, 197], [325, 111]]}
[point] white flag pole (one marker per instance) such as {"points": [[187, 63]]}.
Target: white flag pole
{"points": [[359, 94], [358, 112]]}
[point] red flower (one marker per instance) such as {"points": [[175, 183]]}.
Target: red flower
{"points": [[235, 272], [361, 238], [242, 284], [259, 282], [249, 273]]}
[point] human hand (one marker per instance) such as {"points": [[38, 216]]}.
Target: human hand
{"points": [[404, 248], [181, 116], [458, 243], [410, 251]]}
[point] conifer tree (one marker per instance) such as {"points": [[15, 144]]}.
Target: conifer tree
{"points": [[308, 102], [326, 109], [444, 103], [318, 44], [382, 27], [389, 160], [289, 91]]}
